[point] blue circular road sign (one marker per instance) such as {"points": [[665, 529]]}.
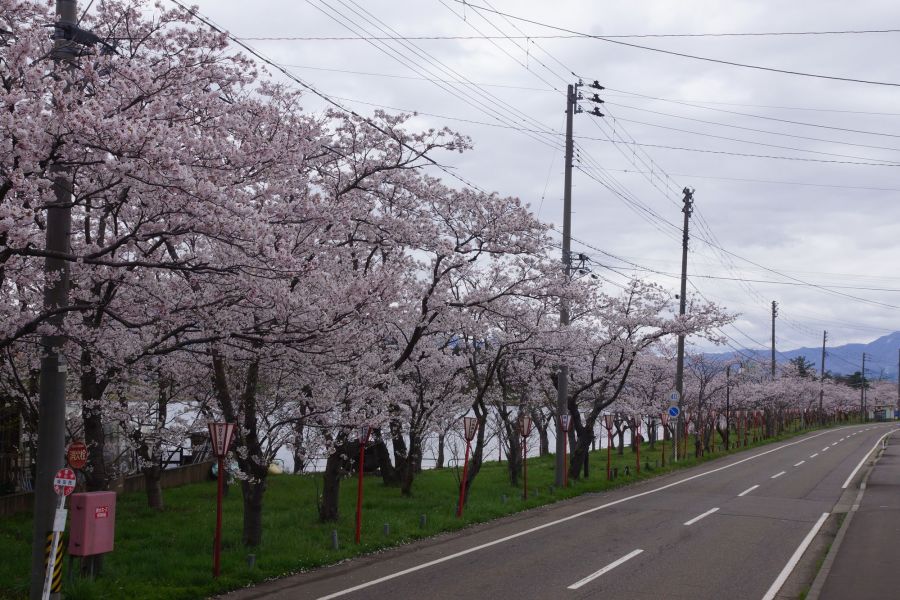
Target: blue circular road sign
{"points": [[673, 411]]}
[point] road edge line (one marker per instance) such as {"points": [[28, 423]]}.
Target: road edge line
{"points": [[815, 588], [795, 558], [865, 458]]}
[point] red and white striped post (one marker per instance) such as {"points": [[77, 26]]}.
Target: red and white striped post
{"points": [[220, 435], [362, 437], [470, 427], [525, 431]]}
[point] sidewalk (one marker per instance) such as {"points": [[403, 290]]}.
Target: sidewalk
{"points": [[865, 560]]}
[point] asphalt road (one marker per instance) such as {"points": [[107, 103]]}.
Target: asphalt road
{"points": [[732, 528], [865, 564]]}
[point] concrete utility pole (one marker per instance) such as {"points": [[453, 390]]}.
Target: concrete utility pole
{"points": [[822, 374], [774, 314], [562, 391], [898, 380], [562, 382], [52, 410], [682, 305], [862, 390]]}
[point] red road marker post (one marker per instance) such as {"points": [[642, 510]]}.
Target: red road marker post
{"points": [[470, 427], [525, 431], [565, 425], [637, 442], [220, 435], [664, 419], [608, 423], [363, 439]]}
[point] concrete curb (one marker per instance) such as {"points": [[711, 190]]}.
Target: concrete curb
{"points": [[818, 583]]}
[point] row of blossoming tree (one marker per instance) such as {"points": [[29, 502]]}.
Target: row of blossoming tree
{"points": [[236, 258]]}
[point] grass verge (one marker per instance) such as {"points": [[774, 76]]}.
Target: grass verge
{"points": [[168, 555]]}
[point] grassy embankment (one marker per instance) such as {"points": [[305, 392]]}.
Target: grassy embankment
{"points": [[168, 555]]}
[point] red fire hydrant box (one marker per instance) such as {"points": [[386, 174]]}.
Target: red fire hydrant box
{"points": [[93, 523]]}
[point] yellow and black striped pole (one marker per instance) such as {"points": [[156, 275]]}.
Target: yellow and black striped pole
{"points": [[56, 578]]}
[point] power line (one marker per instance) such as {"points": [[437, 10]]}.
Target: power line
{"points": [[769, 181], [571, 36], [776, 106], [754, 116], [206, 21], [731, 139], [681, 54]]}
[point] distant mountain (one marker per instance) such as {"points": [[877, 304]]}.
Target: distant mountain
{"points": [[881, 357]]}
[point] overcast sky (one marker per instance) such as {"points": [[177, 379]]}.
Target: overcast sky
{"points": [[829, 223]]}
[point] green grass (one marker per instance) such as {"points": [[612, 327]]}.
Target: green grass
{"points": [[168, 555]]}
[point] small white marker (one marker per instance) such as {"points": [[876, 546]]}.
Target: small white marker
{"points": [[748, 490], [811, 455], [799, 463], [778, 475], [825, 448], [834, 444], [698, 517]]}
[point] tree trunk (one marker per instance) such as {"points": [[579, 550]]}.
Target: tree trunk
{"points": [[544, 440], [514, 455], [440, 455], [253, 503], [620, 433], [299, 448], [153, 485], [331, 488], [388, 473], [407, 468]]}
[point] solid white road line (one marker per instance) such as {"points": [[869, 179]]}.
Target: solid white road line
{"points": [[748, 490], [850, 478], [811, 455], [524, 532], [795, 558], [605, 569], [777, 475], [799, 463], [698, 517]]}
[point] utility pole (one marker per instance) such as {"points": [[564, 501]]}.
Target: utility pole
{"points": [[727, 407], [52, 409], [562, 382], [822, 374], [562, 391], [862, 390], [774, 314], [898, 381], [682, 305]]}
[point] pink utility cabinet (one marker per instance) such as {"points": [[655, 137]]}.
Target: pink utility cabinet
{"points": [[93, 523]]}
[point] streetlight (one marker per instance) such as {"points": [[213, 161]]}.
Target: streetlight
{"points": [[362, 438], [525, 431], [470, 427]]}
